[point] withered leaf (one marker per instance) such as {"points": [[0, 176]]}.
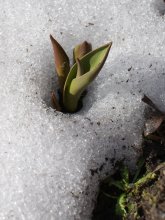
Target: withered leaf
{"points": [[153, 124], [55, 102], [155, 121], [148, 101]]}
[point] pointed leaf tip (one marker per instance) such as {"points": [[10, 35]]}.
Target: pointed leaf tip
{"points": [[81, 49], [149, 102], [61, 62], [74, 86], [153, 124]]}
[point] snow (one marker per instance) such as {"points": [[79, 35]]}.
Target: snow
{"points": [[51, 163]]}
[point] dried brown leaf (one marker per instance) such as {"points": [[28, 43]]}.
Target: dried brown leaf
{"points": [[153, 124], [150, 103], [55, 102]]}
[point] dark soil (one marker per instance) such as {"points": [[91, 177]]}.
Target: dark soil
{"points": [[150, 199], [152, 203]]}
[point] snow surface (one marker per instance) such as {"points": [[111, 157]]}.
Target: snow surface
{"points": [[51, 163]]}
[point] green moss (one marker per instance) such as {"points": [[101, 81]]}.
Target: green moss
{"points": [[125, 190]]}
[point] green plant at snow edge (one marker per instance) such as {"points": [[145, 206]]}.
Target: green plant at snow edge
{"points": [[74, 80], [126, 188]]}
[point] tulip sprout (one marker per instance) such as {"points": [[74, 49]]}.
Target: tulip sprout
{"points": [[74, 80]]}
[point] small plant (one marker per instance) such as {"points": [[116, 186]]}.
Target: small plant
{"points": [[74, 80], [136, 196], [121, 192]]}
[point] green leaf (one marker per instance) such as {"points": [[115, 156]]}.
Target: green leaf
{"points": [[140, 165], [61, 62], [147, 177], [81, 49], [74, 86], [109, 196], [117, 183], [144, 180], [125, 174], [121, 206], [80, 70]]}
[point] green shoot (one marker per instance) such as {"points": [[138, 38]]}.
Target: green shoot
{"points": [[74, 81]]}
